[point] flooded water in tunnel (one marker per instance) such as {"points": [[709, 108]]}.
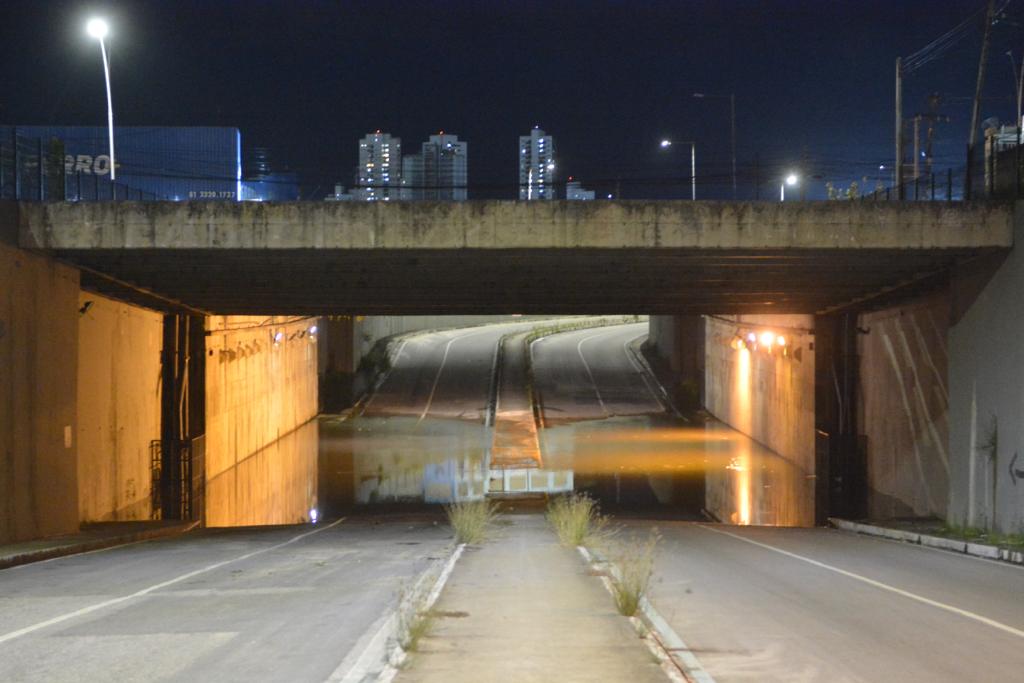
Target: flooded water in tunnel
{"points": [[648, 465]]}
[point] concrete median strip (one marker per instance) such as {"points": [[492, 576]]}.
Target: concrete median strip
{"points": [[677, 660], [378, 654], [982, 550]]}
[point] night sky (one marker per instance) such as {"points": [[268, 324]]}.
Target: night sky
{"points": [[813, 80]]}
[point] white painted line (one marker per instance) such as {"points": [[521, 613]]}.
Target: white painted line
{"points": [[444, 359], [877, 584], [586, 366], [435, 592], [365, 655], [12, 635]]}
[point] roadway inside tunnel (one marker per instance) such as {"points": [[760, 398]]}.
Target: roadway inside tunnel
{"points": [[592, 420]]}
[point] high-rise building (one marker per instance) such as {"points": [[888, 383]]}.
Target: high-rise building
{"points": [[536, 165], [574, 191], [439, 172], [379, 174]]}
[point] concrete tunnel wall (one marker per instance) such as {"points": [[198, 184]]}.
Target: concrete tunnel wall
{"points": [[986, 401], [261, 431], [38, 374], [118, 408], [903, 408], [902, 400]]}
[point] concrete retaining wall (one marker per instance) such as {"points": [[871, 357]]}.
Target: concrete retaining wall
{"points": [[904, 408], [767, 396], [38, 374], [986, 401], [118, 407], [261, 435]]}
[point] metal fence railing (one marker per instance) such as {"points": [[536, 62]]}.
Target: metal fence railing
{"points": [[34, 169]]}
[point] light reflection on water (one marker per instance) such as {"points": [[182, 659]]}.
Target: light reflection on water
{"points": [[649, 464]]}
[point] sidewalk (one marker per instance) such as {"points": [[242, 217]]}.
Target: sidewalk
{"points": [[522, 608], [515, 430], [91, 537]]}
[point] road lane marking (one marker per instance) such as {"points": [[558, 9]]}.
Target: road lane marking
{"points": [[586, 366], [877, 584], [12, 635], [444, 359]]}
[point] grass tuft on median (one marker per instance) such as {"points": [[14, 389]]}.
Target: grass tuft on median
{"points": [[634, 562], [471, 520], [576, 519]]}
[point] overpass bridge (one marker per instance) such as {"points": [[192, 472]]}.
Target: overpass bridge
{"points": [[658, 257]]}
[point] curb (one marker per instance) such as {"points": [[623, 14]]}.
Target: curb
{"points": [[94, 545], [381, 656], [988, 552], [645, 367], [678, 660]]}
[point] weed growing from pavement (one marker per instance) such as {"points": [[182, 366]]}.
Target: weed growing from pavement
{"points": [[577, 520], [977, 535], [471, 520], [635, 564]]}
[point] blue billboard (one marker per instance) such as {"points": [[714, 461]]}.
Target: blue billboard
{"points": [[153, 162]]}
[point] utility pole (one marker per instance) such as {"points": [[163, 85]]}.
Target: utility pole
{"points": [[732, 108], [899, 128], [976, 108], [1018, 79], [917, 147]]}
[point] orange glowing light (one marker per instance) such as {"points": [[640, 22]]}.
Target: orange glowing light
{"points": [[780, 340], [767, 338]]}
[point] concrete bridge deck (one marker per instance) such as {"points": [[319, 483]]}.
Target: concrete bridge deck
{"points": [[504, 256]]}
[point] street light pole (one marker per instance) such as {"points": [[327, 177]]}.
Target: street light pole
{"points": [[732, 119], [791, 179], [666, 143], [98, 29]]}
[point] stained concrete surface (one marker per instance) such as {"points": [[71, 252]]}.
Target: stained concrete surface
{"points": [[523, 608]]}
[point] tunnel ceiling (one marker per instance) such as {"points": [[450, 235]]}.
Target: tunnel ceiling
{"points": [[465, 281]]}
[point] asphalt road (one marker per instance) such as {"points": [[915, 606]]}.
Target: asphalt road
{"points": [[774, 604], [591, 375], [256, 604], [789, 604]]}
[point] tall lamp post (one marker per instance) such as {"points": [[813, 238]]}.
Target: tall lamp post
{"points": [[792, 179], [1018, 76], [666, 143], [732, 118], [98, 29]]}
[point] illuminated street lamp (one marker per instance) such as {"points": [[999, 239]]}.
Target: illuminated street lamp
{"points": [[666, 143], [98, 29], [792, 179]]}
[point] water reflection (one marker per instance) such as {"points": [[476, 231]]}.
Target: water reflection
{"points": [[375, 460], [650, 464], [275, 485]]}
